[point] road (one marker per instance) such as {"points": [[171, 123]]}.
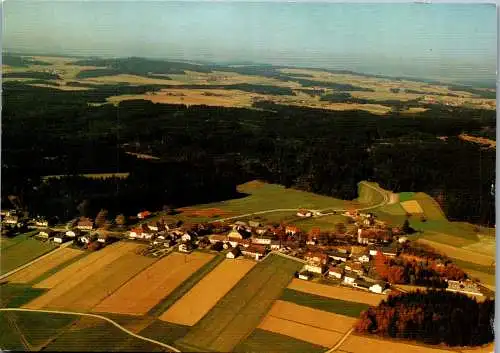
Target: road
{"points": [[5, 275], [339, 343], [99, 317]]}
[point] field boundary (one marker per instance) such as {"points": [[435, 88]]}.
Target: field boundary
{"points": [[98, 317]]}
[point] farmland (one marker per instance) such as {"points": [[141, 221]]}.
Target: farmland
{"points": [[156, 282], [306, 324], [461, 254], [335, 292], [16, 295], [261, 341], [188, 310], [46, 264], [239, 312], [360, 344], [18, 253]]}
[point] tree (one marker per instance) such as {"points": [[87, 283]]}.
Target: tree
{"points": [[406, 227], [100, 219], [120, 220]]}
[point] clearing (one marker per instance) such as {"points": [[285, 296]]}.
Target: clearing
{"points": [[189, 310], [240, 311], [150, 286]]}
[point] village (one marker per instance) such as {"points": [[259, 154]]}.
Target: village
{"points": [[344, 257]]}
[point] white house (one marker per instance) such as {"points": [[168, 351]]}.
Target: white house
{"points": [[47, 233], [275, 245], [335, 272], [11, 219], [71, 233], [235, 234], [364, 258], [184, 248], [186, 237], [84, 239], [41, 223], [153, 227], [234, 253], [349, 278], [304, 276], [60, 238], [304, 213], [373, 252], [376, 288], [261, 241], [261, 231], [314, 268]]}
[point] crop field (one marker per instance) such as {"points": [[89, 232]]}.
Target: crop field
{"points": [[267, 341], [240, 311], [163, 331], [79, 285], [155, 283], [16, 295], [307, 324], [412, 207], [461, 254], [22, 252], [430, 206], [324, 223], [92, 176], [361, 344], [189, 310], [343, 307], [336, 292], [46, 264]]}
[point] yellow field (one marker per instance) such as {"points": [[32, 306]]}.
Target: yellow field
{"points": [[189, 309], [132, 79], [336, 292], [461, 254], [489, 348], [46, 264], [360, 344], [412, 207], [479, 140], [153, 284], [88, 285]]}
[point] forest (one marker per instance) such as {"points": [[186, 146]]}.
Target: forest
{"points": [[431, 317], [205, 152]]}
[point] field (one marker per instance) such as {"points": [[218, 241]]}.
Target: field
{"points": [[149, 287], [19, 253], [361, 344], [461, 254], [267, 341], [480, 140], [92, 176], [336, 292], [46, 264], [240, 311], [16, 295], [86, 288], [189, 310], [338, 306], [306, 324], [164, 331], [412, 207]]}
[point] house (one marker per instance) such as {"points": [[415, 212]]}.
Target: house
{"points": [[139, 233], [364, 258], [314, 268], [143, 214], [402, 240], [350, 277], [235, 234], [73, 233], [13, 220], [161, 241], [153, 226], [335, 272], [387, 251], [186, 237], [305, 276], [261, 240], [60, 238], [254, 224], [241, 224], [103, 238], [362, 239], [256, 251], [355, 267], [275, 245], [185, 248], [261, 230], [291, 230], [214, 238], [372, 251], [46, 234], [376, 288], [304, 213], [234, 253], [338, 256], [85, 224], [316, 258], [467, 286], [85, 239], [237, 241], [41, 223], [361, 284]]}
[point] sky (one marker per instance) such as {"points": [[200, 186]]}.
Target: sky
{"points": [[437, 41]]}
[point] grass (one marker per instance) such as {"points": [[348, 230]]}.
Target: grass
{"points": [[10, 339], [7, 242], [16, 295], [56, 269], [406, 196], [22, 252], [240, 311], [368, 195], [455, 230], [266, 341], [324, 223], [337, 306], [186, 285], [165, 331]]}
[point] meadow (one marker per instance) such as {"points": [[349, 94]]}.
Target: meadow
{"points": [[22, 251], [262, 341], [239, 312]]}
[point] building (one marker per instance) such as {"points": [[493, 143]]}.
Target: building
{"points": [[387, 251], [256, 251], [60, 238], [12, 220], [185, 248], [467, 287], [335, 272], [364, 258], [402, 240], [103, 238], [338, 256], [316, 258], [261, 240], [144, 214], [234, 253], [216, 238], [305, 276], [73, 233], [85, 239], [355, 267], [376, 288], [291, 230], [41, 223], [304, 213], [46, 234], [314, 268], [275, 245], [349, 278], [85, 224], [153, 226], [185, 237], [254, 224], [235, 234], [261, 230], [236, 242], [372, 251], [362, 239], [361, 284], [139, 233]]}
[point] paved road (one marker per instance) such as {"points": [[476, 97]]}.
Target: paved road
{"points": [[99, 317], [35, 260]]}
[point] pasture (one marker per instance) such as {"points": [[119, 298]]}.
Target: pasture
{"points": [[460, 254], [21, 252], [189, 310], [306, 324], [31, 273], [267, 341], [336, 292], [343, 307], [150, 286], [240, 311]]}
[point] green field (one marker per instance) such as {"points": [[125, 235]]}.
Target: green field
{"points": [[337, 306], [406, 196], [58, 268], [324, 223], [16, 295], [238, 313], [165, 331], [369, 195], [21, 252], [265, 341], [186, 285]]}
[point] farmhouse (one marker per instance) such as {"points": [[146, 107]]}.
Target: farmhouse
{"points": [[85, 224], [355, 267], [243, 242], [350, 277], [314, 268], [291, 230], [13, 220], [376, 288], [304, 213], [254, 224], [46, 234], [216, 238], [234, 253], [467, 286], [143, 214], [364, 258], [335, 272], [261, 240], [60, 238], [338, 256], [316, 258], [256, 251]]}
